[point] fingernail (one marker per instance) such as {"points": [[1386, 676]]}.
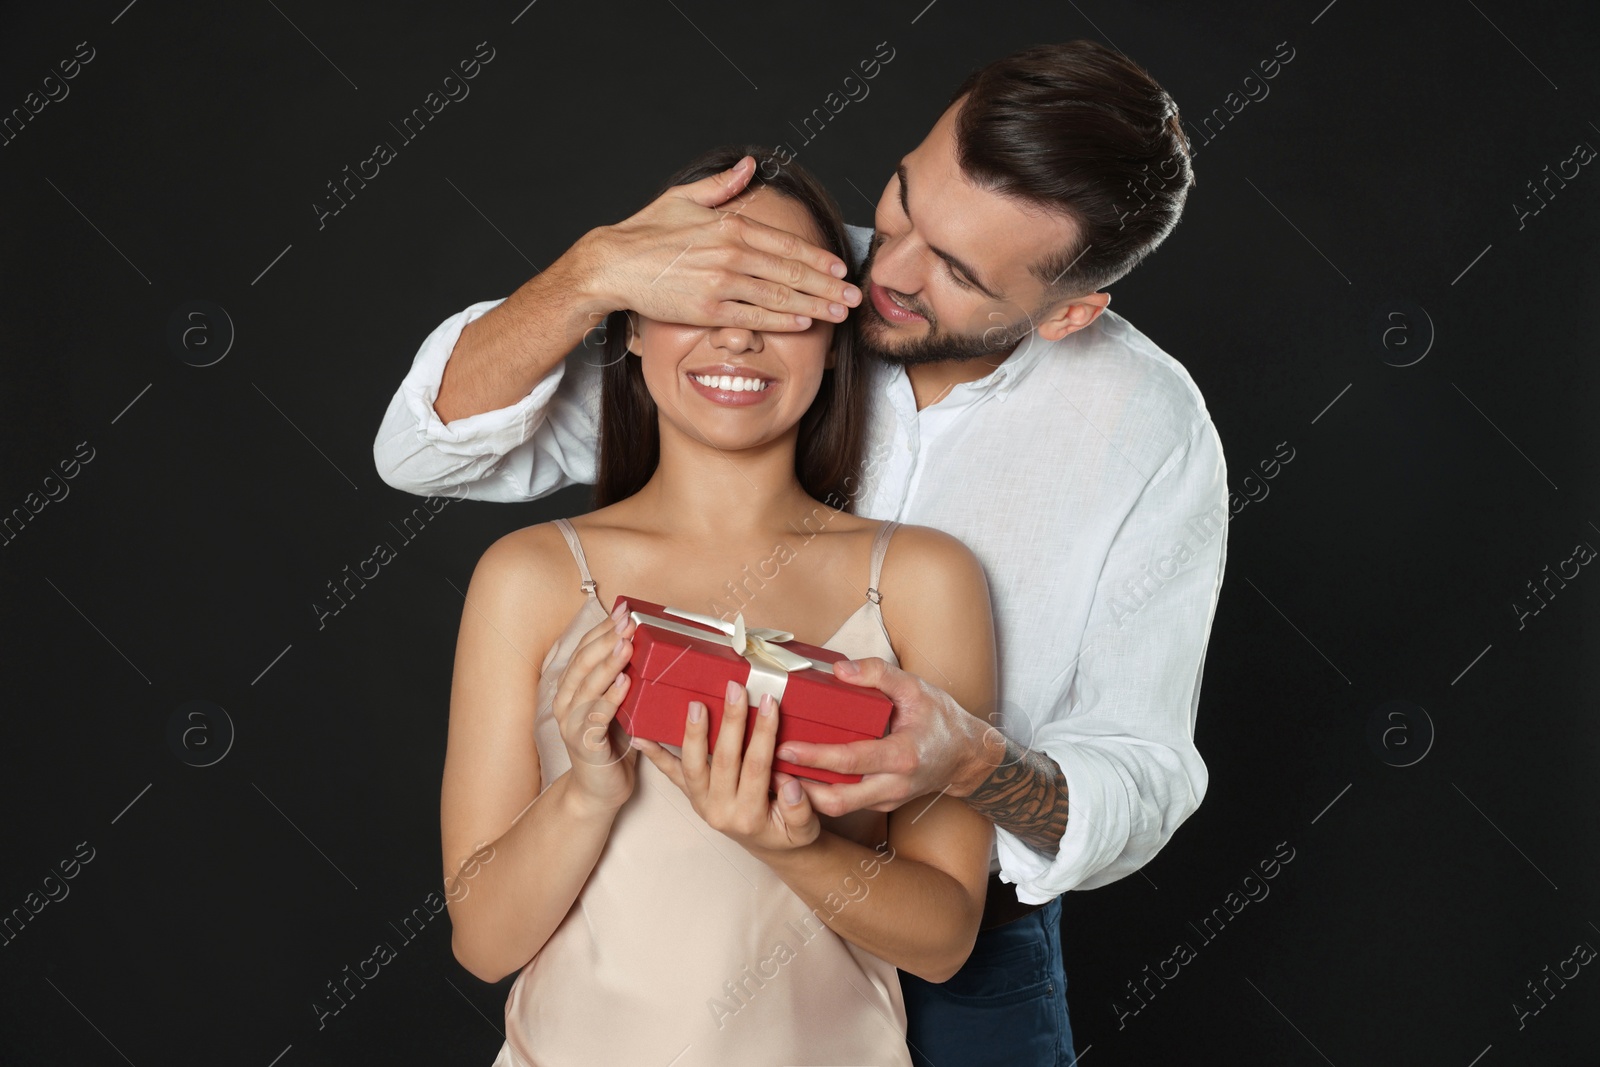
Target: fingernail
{"points": [[791, 792], [636, 743], [852, 295], [697, 710], [786, 754], [836, 310], [838, 270], [621, 641], [768, 708], [849, 667], [803, 322], [733, 691]]}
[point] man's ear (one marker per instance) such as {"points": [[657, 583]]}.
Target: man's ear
{"points": [[1072, 315]]}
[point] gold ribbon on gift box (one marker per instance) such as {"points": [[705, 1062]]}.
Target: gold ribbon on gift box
{"points": [[770, 663]]}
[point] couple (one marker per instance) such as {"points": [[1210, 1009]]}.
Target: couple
{"points": [[664, 906]]}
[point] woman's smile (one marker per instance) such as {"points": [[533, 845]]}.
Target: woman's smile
{"points": [[731, 386]]}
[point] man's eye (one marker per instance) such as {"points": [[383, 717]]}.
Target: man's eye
{"points": [[960, 281]]}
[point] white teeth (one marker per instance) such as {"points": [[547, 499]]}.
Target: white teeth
{"points": [[729, 383]]}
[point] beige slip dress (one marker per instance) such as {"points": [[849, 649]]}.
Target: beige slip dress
{"points": [[682, 950]]}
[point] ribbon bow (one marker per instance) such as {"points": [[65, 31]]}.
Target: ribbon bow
{"points": [[760, 643], [770, 663]]}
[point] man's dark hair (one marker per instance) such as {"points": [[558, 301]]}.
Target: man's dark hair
{"points": [[1082, 130], [832, 435]]}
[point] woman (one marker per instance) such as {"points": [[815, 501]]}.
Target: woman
{"points": [[671, 910]]}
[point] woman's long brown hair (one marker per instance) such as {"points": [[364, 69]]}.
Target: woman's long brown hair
{"points": [[832, 433]]}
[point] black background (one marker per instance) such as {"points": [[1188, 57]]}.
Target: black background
{"points": [[1379, 174]]}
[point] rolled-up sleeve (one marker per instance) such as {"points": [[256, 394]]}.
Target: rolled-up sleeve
{"points": [[543, 442], [1125, 743]]}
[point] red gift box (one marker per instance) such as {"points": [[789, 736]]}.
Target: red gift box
{"points": [[682, 657]]}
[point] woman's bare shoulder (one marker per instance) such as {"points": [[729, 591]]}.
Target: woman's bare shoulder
{"points": [[937, 610], [532, 556], [917, 554], [527, 586], [928, 570]]}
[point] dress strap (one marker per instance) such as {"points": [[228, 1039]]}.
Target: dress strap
{"points": [[571, 534], [880, 545]]}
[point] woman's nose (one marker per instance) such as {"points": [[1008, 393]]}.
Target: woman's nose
{"points": [[736, 339]]}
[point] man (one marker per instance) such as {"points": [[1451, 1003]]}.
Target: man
{"points": [[1011, 409]]}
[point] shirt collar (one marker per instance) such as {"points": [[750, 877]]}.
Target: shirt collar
{"points": [[1000, 381], [1004, 378]]}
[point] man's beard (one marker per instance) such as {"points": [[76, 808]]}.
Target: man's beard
{"points": [[997, 335]]}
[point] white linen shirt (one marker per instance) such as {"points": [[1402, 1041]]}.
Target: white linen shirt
{"points": [[1087, 477]]}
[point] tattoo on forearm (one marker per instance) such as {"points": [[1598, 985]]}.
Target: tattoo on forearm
{"points": [[1027, 795]]}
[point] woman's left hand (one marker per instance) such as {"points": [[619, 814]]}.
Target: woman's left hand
{"points": [[731, 793]]}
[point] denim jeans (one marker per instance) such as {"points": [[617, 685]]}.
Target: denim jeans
{"points": [[1006, 1007]]}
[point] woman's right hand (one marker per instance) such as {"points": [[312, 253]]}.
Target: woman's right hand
{"points": [[587, 697]]}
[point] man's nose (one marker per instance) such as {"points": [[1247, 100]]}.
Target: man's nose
{"points": [[899, 266]]}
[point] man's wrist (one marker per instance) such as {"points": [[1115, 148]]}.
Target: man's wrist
{"points": [[583, 269], [1020, 790], [983, 749]]}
